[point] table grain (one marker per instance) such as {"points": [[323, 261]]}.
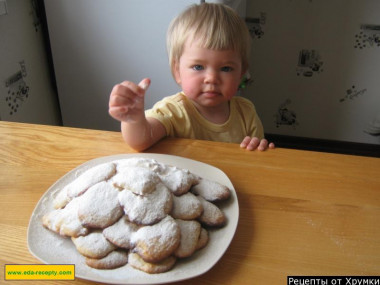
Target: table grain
{"points": [[301, 212]]}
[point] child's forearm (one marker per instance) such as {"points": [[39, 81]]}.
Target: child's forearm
{"points": [[137, 134], [142, 134]]}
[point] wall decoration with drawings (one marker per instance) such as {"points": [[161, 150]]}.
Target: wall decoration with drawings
{"points": [[315, 67], [18, 90]]}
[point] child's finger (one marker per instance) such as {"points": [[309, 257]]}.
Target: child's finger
{"points": [[253, 143], [119, 99], [245, 142], [263, 145], [144, 84], [127, 89], [117, 112]]}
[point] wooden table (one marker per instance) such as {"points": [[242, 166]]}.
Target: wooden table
{"points": [[301, 212]]}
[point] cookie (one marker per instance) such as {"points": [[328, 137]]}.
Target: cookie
{"points": [[203, 239], [212, 216], [163, 266], [139, 180], [178, 180], [121, 232], [93, 245], [100, 206], [156, 242], [211, 190], [88, 178], [186, 207], [62, 199], [113, 260], [65, 221], [147, 209], [190, 231], [148, 163]]}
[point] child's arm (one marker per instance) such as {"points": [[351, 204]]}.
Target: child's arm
{"points": [[255, 143], [126, 105]]}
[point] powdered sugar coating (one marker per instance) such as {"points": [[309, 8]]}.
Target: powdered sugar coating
{"points": [[147, 209], [100, 206], [113, 260], [178, 180], [156, 242], [190, 231], [80, 185], [212, 216], [162, 266], [139, 180], [211, 190], [62, 199], [186, 207], [121, 233], [93, 245], [65, 221], [148, 163]]}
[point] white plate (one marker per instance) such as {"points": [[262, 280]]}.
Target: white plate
{"points": [[51, 248]]}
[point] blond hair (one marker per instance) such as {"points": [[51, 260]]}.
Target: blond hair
{"points": [[216, 26]]}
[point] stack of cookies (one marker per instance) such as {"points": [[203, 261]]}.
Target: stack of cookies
{"points": [[137, 211]]}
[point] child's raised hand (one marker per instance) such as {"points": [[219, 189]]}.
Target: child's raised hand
{"points": [[255, 143], [126, 102]]}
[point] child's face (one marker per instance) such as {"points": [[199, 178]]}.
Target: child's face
{"points": [[208, 77]]}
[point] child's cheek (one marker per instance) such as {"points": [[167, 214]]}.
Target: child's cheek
{"points": [[189, 89], [231, 93]]}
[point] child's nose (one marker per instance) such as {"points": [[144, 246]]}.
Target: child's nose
{"points": [[211, 77]]}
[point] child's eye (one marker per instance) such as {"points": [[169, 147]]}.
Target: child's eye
{"points": [[198, 67], [226, 69]]}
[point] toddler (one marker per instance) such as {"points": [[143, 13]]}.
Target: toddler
{"points": [[208, 47]]}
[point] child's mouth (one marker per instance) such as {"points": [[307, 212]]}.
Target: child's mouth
{"points": [[211, 94]]}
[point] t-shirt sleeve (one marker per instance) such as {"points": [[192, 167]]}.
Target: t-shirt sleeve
{"points": [[170, 113]]}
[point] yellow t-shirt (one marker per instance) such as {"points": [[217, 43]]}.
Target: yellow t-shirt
{"points": [[181, 119]]}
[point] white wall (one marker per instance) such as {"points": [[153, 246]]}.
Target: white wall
{"points": [[316, 66], [26, 92]]}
